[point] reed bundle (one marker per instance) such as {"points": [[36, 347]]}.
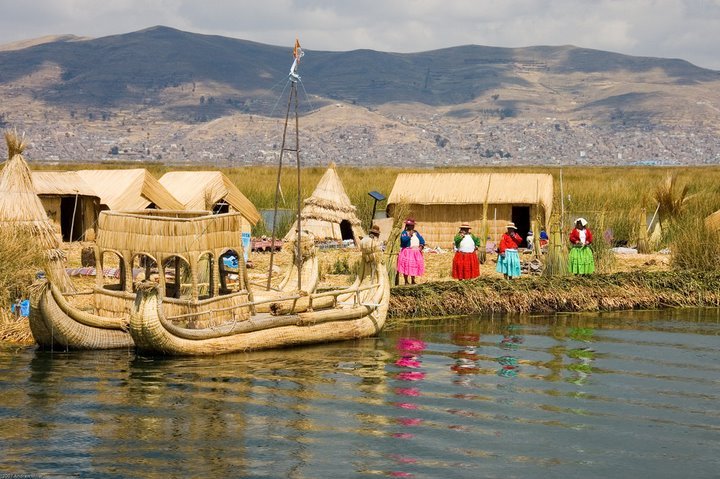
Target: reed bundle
{"points": [[392, 247], [14, 330]]}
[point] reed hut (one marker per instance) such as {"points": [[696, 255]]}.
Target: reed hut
{"points": [[440, 202], [70, 203], [22, 211], [712, 222], [210, 191], [328, 213], [129, 190]]}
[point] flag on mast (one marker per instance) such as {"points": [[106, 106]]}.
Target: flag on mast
{"points": [[298, 53]]}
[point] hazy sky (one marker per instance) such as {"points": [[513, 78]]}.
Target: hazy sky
{"points": [[687, 29]]}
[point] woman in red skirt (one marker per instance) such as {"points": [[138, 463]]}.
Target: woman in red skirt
{"points": [[465, 263]]}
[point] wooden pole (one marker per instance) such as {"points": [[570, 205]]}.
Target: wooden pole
{"points": [[562, 203], [72, 223], [277, 189], [298, 246]]}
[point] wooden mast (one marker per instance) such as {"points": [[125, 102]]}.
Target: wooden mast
{"points": [[294, 78]]}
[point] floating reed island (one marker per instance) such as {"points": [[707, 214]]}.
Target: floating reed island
{"points": [[599, 292]]}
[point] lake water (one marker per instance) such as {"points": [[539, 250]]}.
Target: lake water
{"points": [[592, 396]]}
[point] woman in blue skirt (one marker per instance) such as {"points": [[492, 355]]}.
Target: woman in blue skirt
{"points": [[508, 262]]}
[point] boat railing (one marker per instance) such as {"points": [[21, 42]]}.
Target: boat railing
{"points": [[87, 292], [230, 308], [355, 291], [264, 286]]}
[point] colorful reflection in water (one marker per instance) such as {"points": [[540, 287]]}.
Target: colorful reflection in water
{"points": [[611, 395]]}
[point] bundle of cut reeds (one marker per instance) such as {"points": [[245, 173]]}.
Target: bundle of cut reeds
{"points": [[556, 261], [392, 247]]}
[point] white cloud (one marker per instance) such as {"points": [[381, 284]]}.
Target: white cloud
{"points": [[688, 29]]}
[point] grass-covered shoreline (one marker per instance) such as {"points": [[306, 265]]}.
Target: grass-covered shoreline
{"points": [[599, 292]]}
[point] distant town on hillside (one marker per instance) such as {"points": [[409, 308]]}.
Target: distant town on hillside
{"points": [[167, 96]]}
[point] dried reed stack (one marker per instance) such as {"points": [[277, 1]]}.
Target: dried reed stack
{"points": [[671, 199], [556, 263], [22, 211], [392, 247], [643, 243]]}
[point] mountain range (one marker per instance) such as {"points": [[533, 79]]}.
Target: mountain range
{"points": [[162, 94]]}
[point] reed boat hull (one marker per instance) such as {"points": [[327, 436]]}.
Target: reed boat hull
{"points": [[151, 336], [359, 312], [57, 325]]}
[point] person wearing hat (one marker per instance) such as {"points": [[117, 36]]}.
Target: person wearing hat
{"points": [[374, 231], [410, 259], [370, 244], [508, 262], [581, 259], [465, 262]]}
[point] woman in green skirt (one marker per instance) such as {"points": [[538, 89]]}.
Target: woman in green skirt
{"points": [[581, 256]]}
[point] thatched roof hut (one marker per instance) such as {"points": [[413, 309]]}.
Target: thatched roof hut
{"points": [[69, 202], [713, 221], [209, 190], [21, 210], [440, 202], [328, 213], [129, 190]]}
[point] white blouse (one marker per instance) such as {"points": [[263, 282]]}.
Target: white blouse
{"points": [[414, 241], [467, 245]]}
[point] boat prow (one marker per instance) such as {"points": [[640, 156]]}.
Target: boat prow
{"points": [[57, 324]]}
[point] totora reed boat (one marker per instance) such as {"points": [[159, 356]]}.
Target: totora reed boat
{"points": [[189, 301]]}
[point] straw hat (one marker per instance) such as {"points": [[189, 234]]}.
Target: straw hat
{"points": [[465, 226], [511, 225], [374, 230]]}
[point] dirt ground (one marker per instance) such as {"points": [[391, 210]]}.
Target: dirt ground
{"points": [[336, 265]]}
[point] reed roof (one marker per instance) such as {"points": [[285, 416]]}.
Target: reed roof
{"points": [[129, 190], [167, 233], [61, 183], [195, 188], [328, 203], [473, 188], [330, 192], [20, 207]]}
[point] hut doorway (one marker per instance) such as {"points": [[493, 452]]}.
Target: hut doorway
{"points": [[221, 207], [71, 221], [521, 218], [346, 231]]}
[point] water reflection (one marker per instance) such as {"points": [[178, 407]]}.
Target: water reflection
{"points": [[466, 358], [614, 392], [511, 341]]}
